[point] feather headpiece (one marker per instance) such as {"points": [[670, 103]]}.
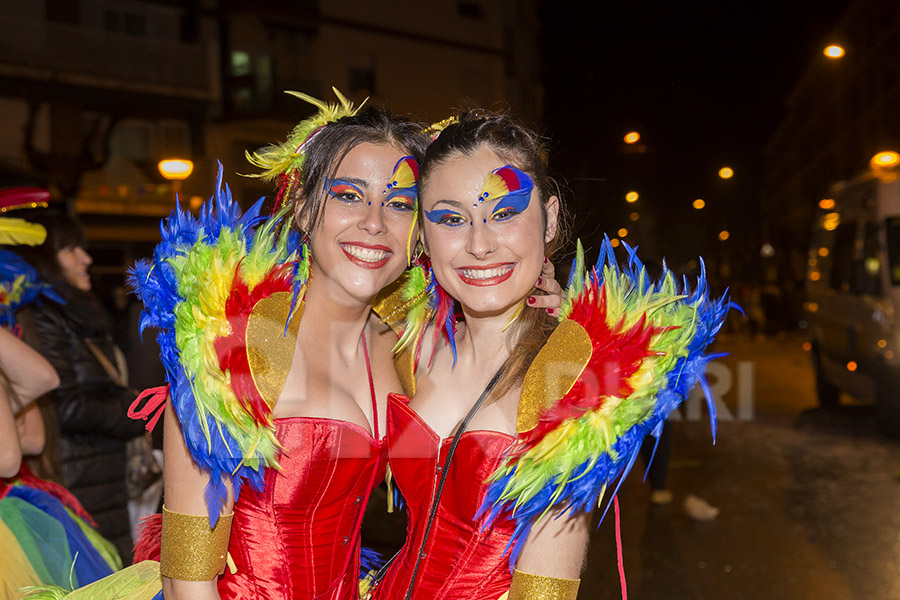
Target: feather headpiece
{"points": [[626, 353], [208, 279], [20, 285], [435, 129], [23, 197], [283, 162], [19, 232]]}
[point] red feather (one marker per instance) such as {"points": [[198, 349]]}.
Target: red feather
{"points": [[617, 355], [441, 312], [149, 538], [231, 350]]}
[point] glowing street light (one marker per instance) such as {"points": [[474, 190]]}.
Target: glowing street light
{"points": [[634, 216], [826, 203], [622, 232], [632, 137], [631, 197], [175, 169], [724, 235], [833, 51], [885, 160], [699, 203], [726, 172]]}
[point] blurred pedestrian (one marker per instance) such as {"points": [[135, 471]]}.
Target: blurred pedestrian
{"points": [[90, 406], [46, 537]]}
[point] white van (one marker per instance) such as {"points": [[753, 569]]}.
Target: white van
{"points": [[852, 303]]}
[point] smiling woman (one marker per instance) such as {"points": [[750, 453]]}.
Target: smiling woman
{"points": [[362, 226], [297, 444], [522, 420], [88, 427], [486, 238]]}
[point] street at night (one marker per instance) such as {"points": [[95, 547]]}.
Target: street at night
{"points": [[417, 170], [809, 499]]}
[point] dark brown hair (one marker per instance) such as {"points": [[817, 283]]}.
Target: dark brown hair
{"points": [[63, 231], [516, 145]]}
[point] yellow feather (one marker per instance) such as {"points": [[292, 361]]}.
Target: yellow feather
{"points": [[21, 232]]}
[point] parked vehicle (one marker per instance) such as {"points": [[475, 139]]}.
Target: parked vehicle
{"points": [[852, 305]]}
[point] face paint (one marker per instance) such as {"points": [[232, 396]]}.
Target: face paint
{"points": [[345, 191], [404, 179], [403, 188], [445, 217], [510, 185]]}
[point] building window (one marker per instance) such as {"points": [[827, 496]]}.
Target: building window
{"points": [[251, 82]]}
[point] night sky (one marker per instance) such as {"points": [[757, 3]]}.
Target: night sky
{"points": [[705, 84]]}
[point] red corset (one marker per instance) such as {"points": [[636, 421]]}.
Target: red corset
{"points": [[298, 539], [461, 560]]}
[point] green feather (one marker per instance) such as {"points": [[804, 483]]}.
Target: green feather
{"points": [[576, 282]]}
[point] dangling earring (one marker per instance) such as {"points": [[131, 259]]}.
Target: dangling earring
{"points": [[418, 253], [412, 226]]}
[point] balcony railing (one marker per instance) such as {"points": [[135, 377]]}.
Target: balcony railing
{"points": [[67, 53]]}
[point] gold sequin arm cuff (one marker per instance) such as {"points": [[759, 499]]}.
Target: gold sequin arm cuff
{"points": [[191, 551], [526, 586]]}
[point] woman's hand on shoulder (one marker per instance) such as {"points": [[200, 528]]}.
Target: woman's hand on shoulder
{"points": [[554, 292]]}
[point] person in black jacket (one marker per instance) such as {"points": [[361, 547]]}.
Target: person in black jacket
{"points": [[90, 406]]}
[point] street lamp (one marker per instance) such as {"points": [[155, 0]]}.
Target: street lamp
{"points": [[885, 160], [724, 235], [631, 197], [884, 165], [726, 172], [632, 137], [699, 203], [833, 51], [622, 232], [175, 170]]}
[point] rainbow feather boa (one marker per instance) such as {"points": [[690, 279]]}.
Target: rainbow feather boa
{"points": [[198, 291], [648, 340]]}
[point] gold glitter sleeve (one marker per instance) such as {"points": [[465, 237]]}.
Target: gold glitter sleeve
{"points": [[526, 586], [191, 550]]}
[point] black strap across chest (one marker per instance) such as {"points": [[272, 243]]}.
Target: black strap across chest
{"points": [[445, 470]]}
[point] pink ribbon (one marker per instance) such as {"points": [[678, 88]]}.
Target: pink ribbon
{"points": [[153, 409]]}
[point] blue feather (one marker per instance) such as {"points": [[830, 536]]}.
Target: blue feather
{"points": [[156, 283], [34, 288], [369, 560]]}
